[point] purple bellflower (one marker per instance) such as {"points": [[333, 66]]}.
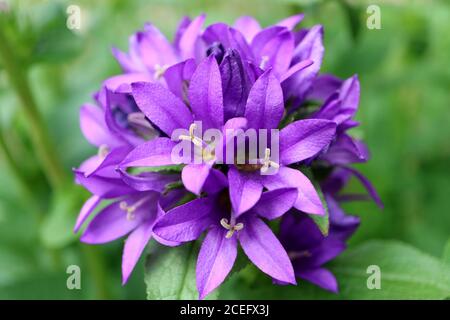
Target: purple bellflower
{"points": [[238, 78]]}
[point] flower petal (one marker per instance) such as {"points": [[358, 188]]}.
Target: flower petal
{"points": [[349, 94], [186, 222], [308, 199], [148, 181], [265, 108], [215, 260], [154, 48], [189, 38], [86, 211], [320, 277], [323, 86], [108, 166], [229, 38], [134, 246], [93, 126], [112, 223], [104, 187], [194, 177], [345, 150], [161, 106], [310, 47], [291, 22], [216, 182], [245, 190], [122, 83], [295, 68], [275, 203], [205, 94], [156, 152], [274, 50], [177, 75], [248, 26], [366, 183], [235, 84], [265, 251], [303, 139]]}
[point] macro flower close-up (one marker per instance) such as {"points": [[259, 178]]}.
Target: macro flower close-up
{"points": [[225, 151]]}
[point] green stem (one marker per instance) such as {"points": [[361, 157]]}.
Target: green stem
{"points": [[39, 135], [45, 149], [27, 192], [17, 173], [96, 265]]}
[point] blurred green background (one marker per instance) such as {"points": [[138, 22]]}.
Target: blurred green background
{"points": [[405, 114]]}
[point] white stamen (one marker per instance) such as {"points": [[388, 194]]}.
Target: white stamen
{"points": [[231, 227], [264, 60], [103, 151], [123, 205], [159, 71], [191, 137], [139, 119], [267, 163]]}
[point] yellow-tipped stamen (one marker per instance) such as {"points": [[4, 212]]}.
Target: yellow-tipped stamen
{"points": [[267, 163], [191, 137], [231, 227]]}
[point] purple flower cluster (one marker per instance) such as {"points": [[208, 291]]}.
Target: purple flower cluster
{"points": [[226, 77]]}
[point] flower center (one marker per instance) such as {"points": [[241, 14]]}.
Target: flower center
{"points": [[130, 209], [263, 165], [231, 227]]}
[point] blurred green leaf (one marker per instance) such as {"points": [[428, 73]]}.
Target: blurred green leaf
{"points": [[170, 273], [54, 42], [57, 228], [322, 221], [14, 264], [41, 286], [446, 254], [406, 273], [162, 169], [353, 13]]}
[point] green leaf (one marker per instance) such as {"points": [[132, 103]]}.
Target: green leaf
{"points": [[353, 13], [170, 273], [323, 222], [406, 272], [14, 264], [54, 42], [446, 253], [42, 286], [161, 169]]}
